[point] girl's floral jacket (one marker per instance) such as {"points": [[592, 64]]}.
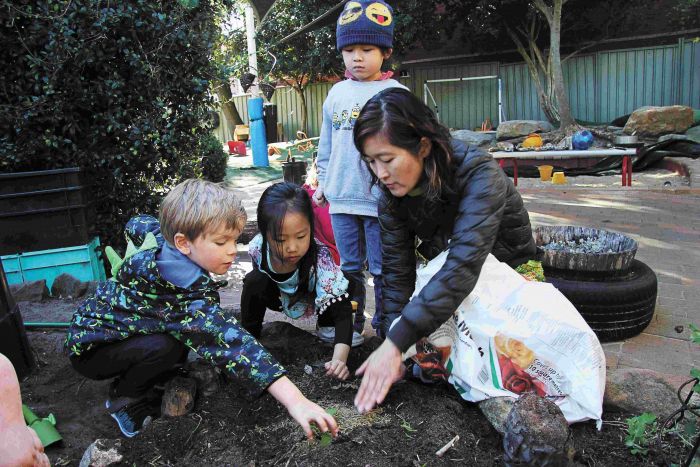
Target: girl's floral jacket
{"points": [[137, 300]]}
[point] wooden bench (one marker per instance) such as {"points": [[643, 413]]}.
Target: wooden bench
{"points": [[514, 157]]}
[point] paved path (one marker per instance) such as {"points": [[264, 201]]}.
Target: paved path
{"points": [[664, 221], [666, 226]]}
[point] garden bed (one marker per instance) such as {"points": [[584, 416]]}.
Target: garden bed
{"points": [[226, 428]]}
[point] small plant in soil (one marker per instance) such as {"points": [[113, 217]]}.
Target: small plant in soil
{"points": [[640, 431], [407, 428]]}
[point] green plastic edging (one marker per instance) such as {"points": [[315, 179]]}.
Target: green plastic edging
{"points": [[45, 325]]}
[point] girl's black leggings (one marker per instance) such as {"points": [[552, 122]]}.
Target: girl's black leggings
{"points": [[260, 293]]}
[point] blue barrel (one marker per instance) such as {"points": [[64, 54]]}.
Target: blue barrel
{"points": [[258, 139]]}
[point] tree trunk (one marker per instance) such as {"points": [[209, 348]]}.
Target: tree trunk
{"points": [[223, 91], [538, 68], [567, 124]]}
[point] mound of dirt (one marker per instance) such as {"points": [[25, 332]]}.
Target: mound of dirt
{"points": [[227, 429]]}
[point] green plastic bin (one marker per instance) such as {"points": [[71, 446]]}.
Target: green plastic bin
{"points": [[81, 262]]}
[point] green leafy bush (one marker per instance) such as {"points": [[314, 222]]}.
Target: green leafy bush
{"points": [[214, 159], [119, 89]]}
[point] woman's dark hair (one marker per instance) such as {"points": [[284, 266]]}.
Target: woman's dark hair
{"points": [[404, 120], [276, 202]]}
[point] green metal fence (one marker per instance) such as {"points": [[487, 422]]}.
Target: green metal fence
{"points": [[601, 86]]}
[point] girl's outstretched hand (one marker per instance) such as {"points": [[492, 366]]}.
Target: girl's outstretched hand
{"points": [[337, 369], [302, 410], [381, 369]]}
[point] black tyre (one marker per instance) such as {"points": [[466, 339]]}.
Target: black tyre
{"points": [[615, 307]]}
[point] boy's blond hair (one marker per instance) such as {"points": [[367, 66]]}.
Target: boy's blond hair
{"points": [[196, 207]]}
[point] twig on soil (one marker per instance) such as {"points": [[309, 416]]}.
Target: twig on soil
{"points": [[195, 428], [440, 452], [77, 391]]}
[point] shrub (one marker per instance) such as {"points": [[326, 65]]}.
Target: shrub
{"points": [[119, 89], [214, 159]]}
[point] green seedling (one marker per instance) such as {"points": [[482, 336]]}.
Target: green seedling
{"points": [[640, 431], [407, 428], [325, 439]]}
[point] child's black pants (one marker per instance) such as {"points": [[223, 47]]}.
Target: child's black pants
{"points": [[137, 363], [260, 292]]}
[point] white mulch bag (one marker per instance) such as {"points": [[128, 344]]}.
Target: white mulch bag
{"points": [[511, 336]]}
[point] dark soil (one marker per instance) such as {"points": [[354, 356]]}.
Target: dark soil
{"points": [[228, 429]]}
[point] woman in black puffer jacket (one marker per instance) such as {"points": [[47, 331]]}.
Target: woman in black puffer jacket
{"points": [[438, 194]]}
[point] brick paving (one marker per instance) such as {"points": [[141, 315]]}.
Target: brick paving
{"points": [[664, 221]]}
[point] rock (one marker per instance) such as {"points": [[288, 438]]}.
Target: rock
{"points": [[617, 130], [102, 453], [694, 134], [67, 286], [179, 397], [634, 391], [673, 137], [34, 291], [515, 128], [91, 288], [496, 411], [535, 432], [475, 138], [654, 121], [206, 376]]}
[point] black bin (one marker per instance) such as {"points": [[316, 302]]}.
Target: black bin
{"points": [[294, 171], [270, 119], [43, 210], [13, 339]]}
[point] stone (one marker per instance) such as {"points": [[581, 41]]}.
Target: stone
{"points": [[178, 399], [33, 291], [102, 453], [496, 410], [635, 391], [67, 286], [694, 133], [206, 375], [91, 288], [475, 138], [535, 432], [516, 128], [673, 137], [655, 121]]}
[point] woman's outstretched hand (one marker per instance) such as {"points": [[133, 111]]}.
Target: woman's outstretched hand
{"points": [[380, 371]]}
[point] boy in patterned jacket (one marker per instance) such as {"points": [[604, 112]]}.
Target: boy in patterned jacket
{"points": [[161, 303]]}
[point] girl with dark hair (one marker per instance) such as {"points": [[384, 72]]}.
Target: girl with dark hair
{"points": [[446, 195], [295, 274]]}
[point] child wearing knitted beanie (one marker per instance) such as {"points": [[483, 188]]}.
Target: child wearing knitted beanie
{"points": [[364, 35]]}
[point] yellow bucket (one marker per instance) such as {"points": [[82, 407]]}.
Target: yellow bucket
{"points": [[545, 172], [558, 178]]}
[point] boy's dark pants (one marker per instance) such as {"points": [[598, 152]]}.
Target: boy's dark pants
{"points": [[138, 363], [260, 292]]}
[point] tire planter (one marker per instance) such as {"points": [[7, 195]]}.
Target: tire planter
{"points": [[616, 306]]}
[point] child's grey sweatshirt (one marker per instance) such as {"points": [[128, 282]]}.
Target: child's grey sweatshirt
{"points": [[343, 176]]}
